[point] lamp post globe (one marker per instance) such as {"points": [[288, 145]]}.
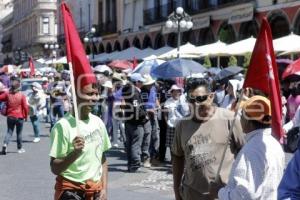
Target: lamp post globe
{"points": [[46, 46], [179, 10], [86, 40], [56, 46], [93, 30], [169, 24], [51, 46], [182, 24], [189, 25]]}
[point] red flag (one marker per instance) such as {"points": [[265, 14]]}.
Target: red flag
{"points": [[83, 73], [262, 74], [31, 67], [135, 62]]}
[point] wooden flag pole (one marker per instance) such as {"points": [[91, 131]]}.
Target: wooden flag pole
{"points": [[74, 98], [230, 135]]}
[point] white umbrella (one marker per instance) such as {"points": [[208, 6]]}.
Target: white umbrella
{"points": [[185, 51], [287, 43], [241, 47]]}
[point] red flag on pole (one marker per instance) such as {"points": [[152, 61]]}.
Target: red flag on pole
{"points": [[76, 55], [31, 67], [135, 62], [262, 74]]}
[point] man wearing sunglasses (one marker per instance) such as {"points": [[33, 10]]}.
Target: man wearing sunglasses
{"points": [[199, 143]]}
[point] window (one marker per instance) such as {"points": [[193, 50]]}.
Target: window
{"points": [[45, 25]]}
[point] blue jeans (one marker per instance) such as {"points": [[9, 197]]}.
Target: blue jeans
{"points": [[11, 124], [56, 110], [154, 144], [36, 125]]}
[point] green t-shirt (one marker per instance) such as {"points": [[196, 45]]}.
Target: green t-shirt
{"points": [[88, 166]]}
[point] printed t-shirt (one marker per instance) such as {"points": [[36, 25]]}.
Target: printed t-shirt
{"points": [[202, 146], [88, 166]]}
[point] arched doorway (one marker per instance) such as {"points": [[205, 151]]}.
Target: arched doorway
{"points": [[172, 40], [61, 53], [101, 48], [108, 48], [147, 42], [206, 36], [159, 41], [185, 37], [248, 29], [296, 28], [87, 50], [279, 24], [95, 50], [117, 46], [126, 44], [226, 33], [136, 43]]}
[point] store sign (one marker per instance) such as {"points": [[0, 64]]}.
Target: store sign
{"points": [[241, 15], [201, 22]]}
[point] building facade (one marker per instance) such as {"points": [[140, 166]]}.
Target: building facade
{"points": [[141, 23], [33, 25], [6, 8]]}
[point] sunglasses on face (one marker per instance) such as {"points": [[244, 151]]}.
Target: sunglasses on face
{"points": [[197, 99]]}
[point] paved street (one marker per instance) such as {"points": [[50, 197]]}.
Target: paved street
{"points": [[27, 176]]}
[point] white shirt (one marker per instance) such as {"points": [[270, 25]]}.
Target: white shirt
{"points": [[294, 122], [257, 170], [173, 111]]}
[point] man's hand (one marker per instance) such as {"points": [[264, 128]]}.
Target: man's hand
{"points": [[78, 144], [103, 195], [215, 186]]}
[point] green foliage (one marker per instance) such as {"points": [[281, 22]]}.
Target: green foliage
{"points": [[232, 61], [59, 67], [207, 62], [247, 59]]}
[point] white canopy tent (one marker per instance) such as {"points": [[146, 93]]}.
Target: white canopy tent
{"points": [[287, 43], [128, 54], [215, 49], [241, 47], [185, 51]]}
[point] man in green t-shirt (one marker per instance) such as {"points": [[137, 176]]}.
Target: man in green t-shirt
{"points": [[77, 153]]}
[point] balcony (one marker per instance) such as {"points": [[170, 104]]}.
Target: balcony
{"points": [[160, 13], [106, 28]]}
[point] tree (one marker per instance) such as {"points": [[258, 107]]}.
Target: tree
{"points": [[232, 61], [59, 67], [207, 62], [247, 59]]}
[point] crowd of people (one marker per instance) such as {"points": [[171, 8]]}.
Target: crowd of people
{"points": [[190, 117]]}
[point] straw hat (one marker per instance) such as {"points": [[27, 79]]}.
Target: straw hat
{"points": [[108, 84], [258, 108], [149, 80]]}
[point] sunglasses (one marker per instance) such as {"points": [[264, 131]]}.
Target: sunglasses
{"points": [[198, 99]]}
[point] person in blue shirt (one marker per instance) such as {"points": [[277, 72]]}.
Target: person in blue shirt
{"points": [[289, 187]]}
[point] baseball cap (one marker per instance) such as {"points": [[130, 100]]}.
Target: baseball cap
{"points": [[258, 108]]}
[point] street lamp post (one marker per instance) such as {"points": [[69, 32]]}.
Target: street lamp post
{"points": [[181, 20], [89, 38], [53, 47]]}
